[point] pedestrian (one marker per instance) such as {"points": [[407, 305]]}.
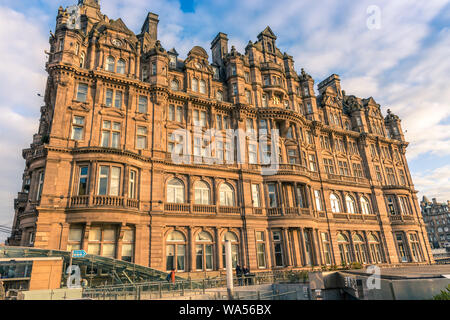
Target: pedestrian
{"points": [[246, 273], [239, 274], [172, 276]]}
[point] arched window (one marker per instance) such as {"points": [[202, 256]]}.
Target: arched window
{"points": [[219, 95], [121, 66], [202, 86], [82, 58], [335, 204], [350, 203], [175, 251], [231, 236], [174, 85], [365, 206], [195, 85], [110, 64], [344, 248], [175, 191], [204, 251], [347, 125], [201, 193], [226, 195], [375, 248], [360, 249]]}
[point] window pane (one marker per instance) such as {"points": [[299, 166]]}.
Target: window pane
{"points": [[115, 180], [75, 233], [94, 248], [109, 250], [109, 234], [95, 234]]}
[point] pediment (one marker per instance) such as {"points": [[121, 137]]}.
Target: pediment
{"points": [[83, 107], [112, 112], [141, 117]]}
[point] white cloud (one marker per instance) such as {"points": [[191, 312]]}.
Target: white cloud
{"points": [[431, 182], [22, 44]]}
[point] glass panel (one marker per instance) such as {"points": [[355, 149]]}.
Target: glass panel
{"points": [[128, 236], [94, 248], [109, 234], [109, 250], [75, 233], [180, 256], [199, 257], [115, 180], [170, 253], [208, 257], [95, 234], [127, 252]]}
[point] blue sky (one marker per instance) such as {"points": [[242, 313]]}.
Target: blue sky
{"points": [[404, 64]]}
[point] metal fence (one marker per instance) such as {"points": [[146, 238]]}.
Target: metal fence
{"points": [[162, 290]]}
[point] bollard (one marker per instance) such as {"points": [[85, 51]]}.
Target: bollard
{"points": [[259, 295]]}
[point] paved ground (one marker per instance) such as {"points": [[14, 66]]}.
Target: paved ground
{"points": [[413, 271]]}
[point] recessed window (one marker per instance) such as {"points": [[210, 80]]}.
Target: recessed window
{"points": [[202, 86], [82, 92], [226, 195], [141, 138], [201, 193], [110, 64], [77, 128], [108, 181], [111, 134], [143, 104], [83, 180], [174, 85], [121, 66], [195, 85], [175, 191]]}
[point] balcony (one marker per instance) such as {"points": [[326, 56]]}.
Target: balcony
{"points": [[290, 211], [270, 66], [204, 208], [177, 207], [230, 210], [103, 201], [350, 179], [355, 217], [401, 218]]}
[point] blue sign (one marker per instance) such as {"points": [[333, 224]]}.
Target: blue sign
{"points": [[78, 253]]}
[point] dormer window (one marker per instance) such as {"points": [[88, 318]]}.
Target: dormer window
{"points": [[216, 73], [202, 86], [82, 57], [306, 91], [233, 70], [173, 62], [121, 66], [110, 64], [247, 77], [219, 95], [264, 100], [174, 85], [195, 85], [153, 69]]}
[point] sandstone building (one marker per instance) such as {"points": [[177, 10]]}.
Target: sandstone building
{"points": [[437, 220], [100, 173]]}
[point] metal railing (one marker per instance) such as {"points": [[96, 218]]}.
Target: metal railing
{"points": [[162, 290]]}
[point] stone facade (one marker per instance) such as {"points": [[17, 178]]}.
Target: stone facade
{"points": [[436, 216], [100, 173]]}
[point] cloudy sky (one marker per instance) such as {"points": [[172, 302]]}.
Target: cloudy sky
{"points": [[402, 59]]}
